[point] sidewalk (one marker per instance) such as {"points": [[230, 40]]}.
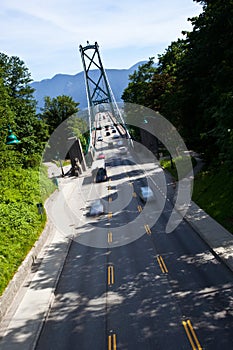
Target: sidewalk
{"points": [[216, 236]]}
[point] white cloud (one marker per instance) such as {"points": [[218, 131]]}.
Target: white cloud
{"points": [[46, 33]]}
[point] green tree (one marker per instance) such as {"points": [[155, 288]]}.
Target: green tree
{"points": [[136, 91], [206, 73], [20, 109], [79, 128], [58, 109]]}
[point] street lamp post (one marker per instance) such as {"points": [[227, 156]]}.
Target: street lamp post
{"points": [[62, 171], [59, 159]]}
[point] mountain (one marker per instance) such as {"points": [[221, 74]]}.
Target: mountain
{"points": [[74, 85]]}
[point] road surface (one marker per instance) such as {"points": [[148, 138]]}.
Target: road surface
{"points": [[128, 285]]}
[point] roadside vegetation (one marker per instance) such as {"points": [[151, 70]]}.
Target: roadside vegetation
{"points": [[213, 190], [192, 86], [21, 222]]}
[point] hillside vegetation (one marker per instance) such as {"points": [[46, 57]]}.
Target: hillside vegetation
{"points": [[213, 192], [21, 224], [192, 87]]}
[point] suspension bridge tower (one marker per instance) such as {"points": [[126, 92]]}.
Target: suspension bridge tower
{"points": [[98, 89]]}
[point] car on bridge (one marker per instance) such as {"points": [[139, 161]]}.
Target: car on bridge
{"points": [[96, 208], [123, 150], [146, 194], [101, 175]]}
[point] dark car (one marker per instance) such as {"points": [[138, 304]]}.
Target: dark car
{"points": [[101, 175], [107, 133]]}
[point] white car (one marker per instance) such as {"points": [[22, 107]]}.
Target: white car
{"points": [[100, 138], [146, 194], [96, 208], [123, 150]]}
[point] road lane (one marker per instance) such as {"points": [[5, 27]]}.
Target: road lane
{"points": [[160, 291], [78, 315]]}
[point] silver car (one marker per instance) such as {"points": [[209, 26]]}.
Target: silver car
{"points": [[96, 208], [146, 194]]}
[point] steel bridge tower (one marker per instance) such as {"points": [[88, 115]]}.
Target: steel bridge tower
{"points": [[97, 85]]}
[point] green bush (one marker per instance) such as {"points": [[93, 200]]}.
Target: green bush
{"points": [[20, 224]]}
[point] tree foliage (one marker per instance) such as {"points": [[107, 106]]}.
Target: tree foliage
{"points": [[21, 224], [193, 83], [58, 109], [18, 108], [136, 92]]}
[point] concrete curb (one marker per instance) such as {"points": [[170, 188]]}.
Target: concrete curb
{"points": [[219, 240], [25, 268]]}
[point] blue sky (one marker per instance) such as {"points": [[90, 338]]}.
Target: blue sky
{"points": [[46, 34]]}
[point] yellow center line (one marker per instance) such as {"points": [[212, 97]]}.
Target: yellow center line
{"points": [[139, 208], [112, 341], [162, 264], [110, 275], [109, 237], [147, 228], [191, 336], [109, 342], [110, 215], [110, 199], [194, 335]]}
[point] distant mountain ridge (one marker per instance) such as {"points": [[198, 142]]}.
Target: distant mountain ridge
{"points": [[74, 85]]}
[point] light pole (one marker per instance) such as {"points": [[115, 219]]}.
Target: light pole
{"points": [[58, 158]]}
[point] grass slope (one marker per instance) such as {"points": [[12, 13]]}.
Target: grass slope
{"points": [[20, 223], [213, 191]]}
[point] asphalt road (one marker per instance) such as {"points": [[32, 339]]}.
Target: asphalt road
{"points": [[126, 284]]}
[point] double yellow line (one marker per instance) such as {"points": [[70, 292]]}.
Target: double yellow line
{"points": [[191, 335], [112, 343], [162, 264], [111, 277], [147, 228]]}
